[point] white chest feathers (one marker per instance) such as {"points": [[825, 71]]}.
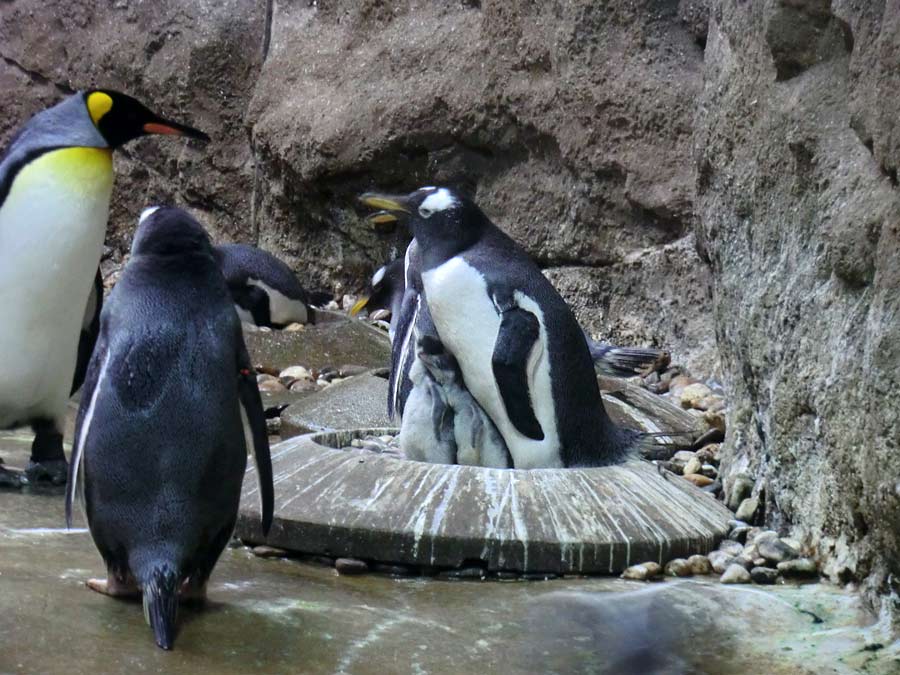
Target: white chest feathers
{"points": [[468, 322], [52, 225]]}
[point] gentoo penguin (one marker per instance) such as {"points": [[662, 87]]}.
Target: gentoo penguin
{"points": [[55, 184], [522, 354], [385, 293], [90, 329], [159, 439], [265, 290], [477, 441]]}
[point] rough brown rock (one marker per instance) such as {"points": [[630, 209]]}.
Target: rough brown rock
{"points": [[569, 123], [799, 217]]}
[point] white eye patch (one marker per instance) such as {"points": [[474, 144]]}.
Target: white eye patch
{"points": [[439, 201], [377, 277], [146, 213]]}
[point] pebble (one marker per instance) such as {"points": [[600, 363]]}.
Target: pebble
{"points": [[693, 466], [296, 373], [801, 567], [352, 371], [699, 479], [642, 572], [735, 574], [719, 560], [775, 550], [294, 327], [678, 383], [715, 419], [268, 552], [741, 488], [679, 567], [303, 385], [699, 564], [351, 566], [732, 548], [747, 509], [693, 394], [322, 383], [709, 471], [763, 575], [270, 384], [739, 534], [709, 454]]}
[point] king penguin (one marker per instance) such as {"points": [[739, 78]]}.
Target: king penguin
{"points": [[522, 354], [265, 290], [56, 178], [159, 439]]}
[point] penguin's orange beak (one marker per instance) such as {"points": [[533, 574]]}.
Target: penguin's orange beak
{"points": [[167, 128]]}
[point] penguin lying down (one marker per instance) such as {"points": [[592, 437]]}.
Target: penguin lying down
{"points": [[160, 450], [264, 289], [520, 351]]}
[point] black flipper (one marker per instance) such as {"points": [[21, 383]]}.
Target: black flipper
{"points": [[89, 332], [403, 352], [519, 330], [253, 408], [94, 370]]}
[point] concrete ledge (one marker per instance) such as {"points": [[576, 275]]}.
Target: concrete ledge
{"points": [[344, 503]]}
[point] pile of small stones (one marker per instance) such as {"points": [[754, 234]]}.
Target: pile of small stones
{"points": [[300, 378], [749, 554], [382, 445]]}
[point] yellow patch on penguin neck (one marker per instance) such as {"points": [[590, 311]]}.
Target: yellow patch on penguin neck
{"points": [[98, 104], [81, 171]]}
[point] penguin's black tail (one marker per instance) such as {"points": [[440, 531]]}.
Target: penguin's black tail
{"points": [[627, 361], [161, 604]]}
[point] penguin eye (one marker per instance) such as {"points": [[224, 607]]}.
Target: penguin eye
{"points": [[425, 213]]}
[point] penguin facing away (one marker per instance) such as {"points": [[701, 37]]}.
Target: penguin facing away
{"points": [[265, 290], [522, 354], [55, 183], [159, 445]]}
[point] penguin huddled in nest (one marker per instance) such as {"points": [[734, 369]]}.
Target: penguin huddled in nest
{"points": [[522, 354], [56, 179], [160, 450]]}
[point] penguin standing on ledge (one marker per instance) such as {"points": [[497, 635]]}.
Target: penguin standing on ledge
{"points": [[265, 290], [55, 184], [385, 293], [522, 354], [159, 438]]}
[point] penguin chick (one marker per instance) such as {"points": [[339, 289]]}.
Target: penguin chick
{"points": [[522, 354], [56, 178], [427, 431], [265, 290], [159, 439], [478, 443]]}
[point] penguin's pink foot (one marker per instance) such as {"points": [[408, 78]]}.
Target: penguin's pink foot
{"points": [[194, 592], [114, 588]]}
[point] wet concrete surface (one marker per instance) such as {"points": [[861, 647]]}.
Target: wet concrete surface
{"points": [[282, 616]]}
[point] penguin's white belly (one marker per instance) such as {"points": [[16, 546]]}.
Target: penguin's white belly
{"points": [[282, 309], [52, 225], [468, 323]]}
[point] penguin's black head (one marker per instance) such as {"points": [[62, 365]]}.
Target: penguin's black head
{"points": [[386, 283], [120, 118], [440, 218], [169, 231]]}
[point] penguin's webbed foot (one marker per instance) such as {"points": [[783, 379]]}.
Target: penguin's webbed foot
{"points": [[114, 588], [193, 591], [53, 471], [12, 480]]}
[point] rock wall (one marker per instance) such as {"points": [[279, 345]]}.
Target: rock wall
{"points": [[569, 122], [796, 147]]}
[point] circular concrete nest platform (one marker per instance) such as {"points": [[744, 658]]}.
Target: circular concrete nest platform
{"points": [[360, 504]]}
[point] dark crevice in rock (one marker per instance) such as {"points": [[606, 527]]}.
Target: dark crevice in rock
{"points": [[267, 31], [37, 77]]}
